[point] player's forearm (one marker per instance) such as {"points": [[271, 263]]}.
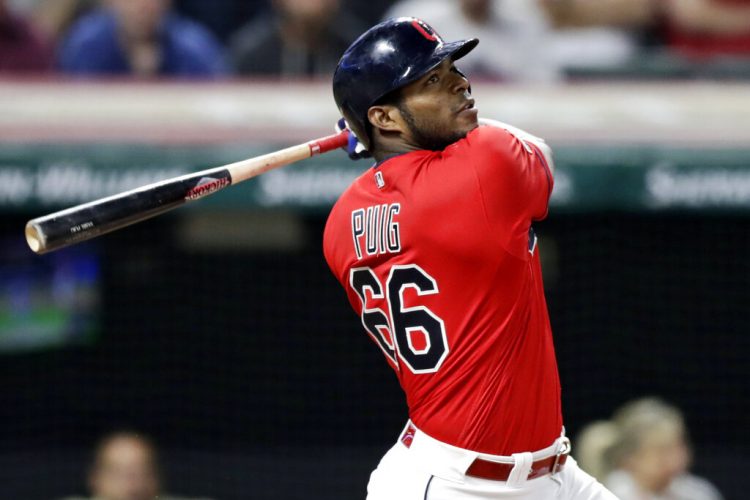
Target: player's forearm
{"points": [[707, 16], [526, 137]]}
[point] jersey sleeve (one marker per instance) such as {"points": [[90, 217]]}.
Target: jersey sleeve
{"points": [[515, 182], [333, 247]]}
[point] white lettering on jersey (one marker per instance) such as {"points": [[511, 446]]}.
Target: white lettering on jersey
{"points": [[375, 229]]}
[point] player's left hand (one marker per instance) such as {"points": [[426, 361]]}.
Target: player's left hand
{"points": [[355, 149]]}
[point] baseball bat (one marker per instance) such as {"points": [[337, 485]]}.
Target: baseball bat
{"points": [[86, 221]]}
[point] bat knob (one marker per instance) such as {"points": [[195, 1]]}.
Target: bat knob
{"points": [[34, 238]]}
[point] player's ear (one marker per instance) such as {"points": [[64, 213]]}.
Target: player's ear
{"points": [[386, 118]]}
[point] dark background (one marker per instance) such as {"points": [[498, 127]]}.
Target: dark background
{"points": [[254, 376]]}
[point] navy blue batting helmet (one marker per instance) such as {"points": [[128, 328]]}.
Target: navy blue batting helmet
{"points": [[385, 58]]}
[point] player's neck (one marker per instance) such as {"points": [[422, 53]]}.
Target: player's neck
{"points": [[395, 148]]}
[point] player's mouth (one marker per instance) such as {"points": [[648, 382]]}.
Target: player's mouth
{"points": [[468, 108]]}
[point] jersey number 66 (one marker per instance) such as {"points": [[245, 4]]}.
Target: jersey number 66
{"points": [[406, 322]]}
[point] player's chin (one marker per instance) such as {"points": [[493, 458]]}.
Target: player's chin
{"points": [[467, 120]]}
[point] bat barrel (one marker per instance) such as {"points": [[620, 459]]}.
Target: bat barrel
{"points": [[86, 221], [61, 229]]}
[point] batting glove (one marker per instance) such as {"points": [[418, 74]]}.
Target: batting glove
{"points": [[355, 149]]}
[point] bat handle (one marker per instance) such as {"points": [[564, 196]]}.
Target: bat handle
{"points": [[329, 143]]}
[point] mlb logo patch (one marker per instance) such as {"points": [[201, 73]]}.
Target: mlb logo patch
{"points": [[379, 182]]}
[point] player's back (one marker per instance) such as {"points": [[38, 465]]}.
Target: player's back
{"points": [[436, 254]]}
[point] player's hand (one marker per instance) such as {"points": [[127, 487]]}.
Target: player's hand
{"points": [[354, 148]]}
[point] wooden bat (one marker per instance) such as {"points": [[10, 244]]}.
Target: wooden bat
{"points": [[86, 221]]}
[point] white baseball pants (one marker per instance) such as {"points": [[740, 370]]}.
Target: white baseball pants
{"points": [[432, 470]]}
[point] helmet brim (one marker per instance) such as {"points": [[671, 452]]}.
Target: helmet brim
{"points": [[451, 50], [456, 50]]}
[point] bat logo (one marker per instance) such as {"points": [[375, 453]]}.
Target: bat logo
{"points": [[206, 186], [425, 30]]}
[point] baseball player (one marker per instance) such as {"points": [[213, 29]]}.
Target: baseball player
{"points": [[435, 249]]}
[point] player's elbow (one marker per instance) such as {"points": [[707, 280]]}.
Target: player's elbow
{"points": [[546, 151]]}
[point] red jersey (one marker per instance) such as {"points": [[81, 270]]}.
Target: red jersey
{"points": [[437, 255]]}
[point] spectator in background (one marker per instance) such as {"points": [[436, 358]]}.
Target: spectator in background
{"points": [[584, 13], [513, 35], [143, 38], [642, 454], [596, 34], [125, 468], [222, 17], [535, 41], [704, 28], [53, 17], [298, 38], [22, 48]]}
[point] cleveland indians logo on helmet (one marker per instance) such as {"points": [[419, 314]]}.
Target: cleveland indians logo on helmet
{"points": [[425, 30]]}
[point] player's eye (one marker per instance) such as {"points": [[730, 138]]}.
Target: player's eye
{"points": [[433, 78]]}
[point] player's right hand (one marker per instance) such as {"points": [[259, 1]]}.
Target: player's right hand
{"points": [[355, 149]]}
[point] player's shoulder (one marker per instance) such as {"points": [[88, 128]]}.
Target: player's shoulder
{"points": [[337, 230], [484, 141], [343, 204], [489, 134], [350, 194]]}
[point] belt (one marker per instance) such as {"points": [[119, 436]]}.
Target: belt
{"points": [[500, 472]]}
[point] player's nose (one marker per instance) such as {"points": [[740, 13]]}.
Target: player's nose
{"points": [[462, 85]]}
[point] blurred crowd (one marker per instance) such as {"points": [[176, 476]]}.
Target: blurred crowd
{"points": [[533, 41], [643, 453], [125, 466]]}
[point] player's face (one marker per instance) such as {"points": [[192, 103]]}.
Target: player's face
{"points": [[438, 109]]}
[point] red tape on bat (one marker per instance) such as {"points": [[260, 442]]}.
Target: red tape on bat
{"points": [[329, 143]]}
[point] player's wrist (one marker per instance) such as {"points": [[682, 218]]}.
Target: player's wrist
{"points": [[354, 148]]}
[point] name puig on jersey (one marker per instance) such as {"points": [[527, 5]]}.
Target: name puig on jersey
{"points": [[375, 230]]}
